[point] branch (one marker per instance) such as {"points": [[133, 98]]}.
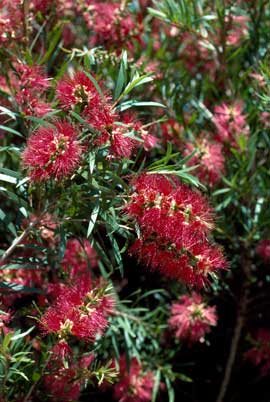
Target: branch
{"points": [[240, 321]]}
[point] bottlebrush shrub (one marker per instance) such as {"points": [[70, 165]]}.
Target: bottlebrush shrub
{"points": [[134, 153]]}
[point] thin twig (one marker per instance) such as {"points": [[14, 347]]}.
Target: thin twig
{"points": [[18, 240]]}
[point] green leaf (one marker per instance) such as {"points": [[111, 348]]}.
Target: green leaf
{"points": [[115, 346], [11, 130], [5, 111], [14, 287], [6, 341], [62, 245], [8, 179], [17, 372], [156, 13], [10, 173], [39, 121], [93, 218], [101, 266], [136, 81], [92, 161], [21, 335], [14, 197], [122, 75], [134, 103], [77, 117], [41, 28], [187, 158], [184, 377], [10, 149], [221, 191], [156, 386], [94, 81], [170, 390], [2, 215], [12, 229], [20, 266], [186, 177], [117, 254], [23, 181], [203, 109], [53, 41]]}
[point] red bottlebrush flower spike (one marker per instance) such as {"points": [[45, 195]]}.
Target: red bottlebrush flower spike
{"points": [[63, 386], [67, 373], [198, 54], [111, 24], [79, 313], [191, 319], [62, 383], [60, 351], [149, 140], [124, 138], [40, 5], [162, 206], [230, 123], [52, 152], [31, 105], [263, 249], [11, 17], [30, 85], [101, 117], [63, 8], [32, 77], [134, 384], [259, 354], [174, 223], [122, 145], [78, 90], [210, 159]]}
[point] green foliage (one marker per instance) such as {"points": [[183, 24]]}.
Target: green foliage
{"points": [[16, 362], [180, 69]]}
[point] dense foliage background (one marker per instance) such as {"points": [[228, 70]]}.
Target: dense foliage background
{"points": [[134, 216]]}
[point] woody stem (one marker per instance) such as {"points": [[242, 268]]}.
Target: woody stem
{"points": [[239, 325]]}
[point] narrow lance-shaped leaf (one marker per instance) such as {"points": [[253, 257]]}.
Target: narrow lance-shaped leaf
{"points": [[122, 76], [156, 386], [134, 103], [93, 218], [22, 335]]}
